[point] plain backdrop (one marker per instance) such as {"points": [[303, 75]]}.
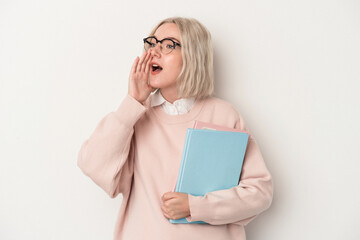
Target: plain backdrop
{"points": [[291, 68]]}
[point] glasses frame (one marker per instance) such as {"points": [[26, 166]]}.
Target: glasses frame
{"points": [[160, 41]]}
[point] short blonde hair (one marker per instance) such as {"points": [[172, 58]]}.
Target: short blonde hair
{"points": [[196, 78]]}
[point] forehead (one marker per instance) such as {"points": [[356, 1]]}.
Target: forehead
{"points": [[168, 30]]}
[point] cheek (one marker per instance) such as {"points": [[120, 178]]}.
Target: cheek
{"points": [[179, 63], [174, 65], [176, 60]]}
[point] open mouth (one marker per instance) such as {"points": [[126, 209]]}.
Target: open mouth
{"points": [[156, 68]]}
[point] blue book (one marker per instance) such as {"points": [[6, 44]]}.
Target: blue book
{"points": [[211, 161]]}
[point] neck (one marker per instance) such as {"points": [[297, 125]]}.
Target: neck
{"points": [[170, 96]]}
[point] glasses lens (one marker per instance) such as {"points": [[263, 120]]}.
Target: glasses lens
{"points": [[149, 43], [167, 46]]}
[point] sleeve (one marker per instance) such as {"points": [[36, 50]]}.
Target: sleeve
{"points": [[107, 156], [241, 204]]}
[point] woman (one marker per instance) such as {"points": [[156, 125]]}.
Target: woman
{"points": [[136, 150]]}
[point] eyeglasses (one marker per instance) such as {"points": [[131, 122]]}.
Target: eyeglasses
{"points": [[166, 45]]}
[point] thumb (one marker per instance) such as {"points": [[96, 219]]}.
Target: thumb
{"points": [[167, 196]]}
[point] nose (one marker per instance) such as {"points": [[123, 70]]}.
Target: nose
{"points": [[156, 51]]}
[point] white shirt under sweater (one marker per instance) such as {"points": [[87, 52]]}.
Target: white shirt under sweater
{"points": [[180, 106]]}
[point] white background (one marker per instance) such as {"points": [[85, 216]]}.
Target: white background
{"points": [[292, 68]]}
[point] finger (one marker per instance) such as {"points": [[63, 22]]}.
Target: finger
{"points": [[138, 69], [165, 211], [166, 215], [146, 61], [168, 195], [163, 208], [142, 67], [147, 68], [133, 67]]}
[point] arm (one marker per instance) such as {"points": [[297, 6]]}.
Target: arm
{"points": [[107, 156], [240, 204]]}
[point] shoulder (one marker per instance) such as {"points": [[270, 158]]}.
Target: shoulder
{"points": [[220, 105], [222, 112]]}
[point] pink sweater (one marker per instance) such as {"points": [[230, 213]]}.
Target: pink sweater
{"points": [[136, 151]]}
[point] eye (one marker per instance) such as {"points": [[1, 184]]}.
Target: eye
{"points": [[170, 46]]}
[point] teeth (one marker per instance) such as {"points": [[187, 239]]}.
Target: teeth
{"points": [[154, 65]]}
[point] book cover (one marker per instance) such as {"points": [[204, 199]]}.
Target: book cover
{"points": [[211, 161]]}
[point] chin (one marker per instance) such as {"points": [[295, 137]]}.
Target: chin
{"points": [[156, 83], [161, 82]]}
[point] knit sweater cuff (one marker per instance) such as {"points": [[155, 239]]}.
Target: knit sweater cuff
{"points": [[130, 111], [198, 210]]}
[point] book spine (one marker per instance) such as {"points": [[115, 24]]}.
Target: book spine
{"points": [[186, 149]]}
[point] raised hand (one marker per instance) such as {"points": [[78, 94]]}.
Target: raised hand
{"points": [[138, 80]]}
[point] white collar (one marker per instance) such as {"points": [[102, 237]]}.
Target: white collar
{"points": [[179, 106]]}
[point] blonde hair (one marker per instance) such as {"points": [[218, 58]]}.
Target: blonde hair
{"points": [[196, 78]]}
